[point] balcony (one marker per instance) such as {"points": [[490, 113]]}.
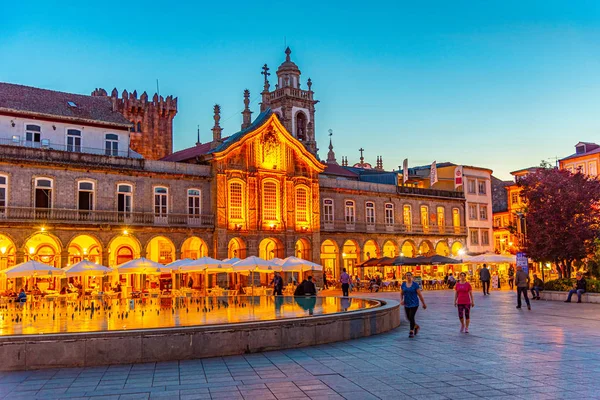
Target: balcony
{"points": [[46, 145], [94, 217], [415, 229], [429, 192], [290, 91]]}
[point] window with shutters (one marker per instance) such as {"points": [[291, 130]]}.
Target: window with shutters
{"points": [[328, 210], [389, 214], [370, 212]]}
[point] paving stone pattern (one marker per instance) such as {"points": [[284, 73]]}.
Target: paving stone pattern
{"points": [[551, 352]]}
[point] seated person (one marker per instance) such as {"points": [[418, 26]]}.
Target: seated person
{"points": [[579, 287], [451, 281], [300, 289], [538, 285], [309, 287], [22, 297]]}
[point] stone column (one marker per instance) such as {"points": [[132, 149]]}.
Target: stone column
{"points": [[64, 258]]}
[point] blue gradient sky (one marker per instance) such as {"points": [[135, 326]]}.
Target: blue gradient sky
{"points": [[497, 84]]}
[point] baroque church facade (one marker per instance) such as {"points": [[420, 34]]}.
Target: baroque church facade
{"points": [[261, 191]]}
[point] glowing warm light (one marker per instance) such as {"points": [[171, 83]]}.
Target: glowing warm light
{"points": [[31, 250], [461, 252], [401, 254], [548, 265], [510, 243], [84, 251], [43, 229], [3, 250], [125, 232], [343, 254]]}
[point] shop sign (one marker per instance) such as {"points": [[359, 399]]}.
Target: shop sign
{"points": [[522, 261]]}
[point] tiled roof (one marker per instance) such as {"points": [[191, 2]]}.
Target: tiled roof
{"points": [[338, 170], [595, 151], [189, 153], [26, 100]]}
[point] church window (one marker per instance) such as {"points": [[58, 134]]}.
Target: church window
{"points": [[85, 195], [236, 201], [350, 212], [327, 210], [425, 218], [301, 123], [194, 202], [270, 197], [33, 134], [389, 214], [301, 205], [407, 216], [111, 144], [370, 212], [74, 140], [3, 193], [43, 193]]}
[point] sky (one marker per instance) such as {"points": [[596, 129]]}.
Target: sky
{"points": [[496, 84]]}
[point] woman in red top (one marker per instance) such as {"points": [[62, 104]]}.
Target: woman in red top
{"points": [[463, 299]]}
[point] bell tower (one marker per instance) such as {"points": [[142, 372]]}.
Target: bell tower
{"points": [[294, 106]]}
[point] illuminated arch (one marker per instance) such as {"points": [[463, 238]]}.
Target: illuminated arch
{"points": [[370, 250], [84, 247], [303, 249], [236, 248], [409, 248], [426, 248], [329, 258], [123, 248], [456, 248], [442, 248], [390, 249], [8, 252], [44, 248], [270, 248], [194, 248], [160, 249]]}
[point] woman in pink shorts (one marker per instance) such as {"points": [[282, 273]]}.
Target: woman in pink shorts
{"points": [[463, 299]]}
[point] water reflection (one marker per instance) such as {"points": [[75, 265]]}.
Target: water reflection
{"points": [[91, 316]]}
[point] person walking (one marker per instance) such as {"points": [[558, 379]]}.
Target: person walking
{"points": [[538, 285], [579, 287], [345, 280], [410, 293], [484, 277], [522, 284], [463, 300], [325, 285], [511, 277], [277, 284]]}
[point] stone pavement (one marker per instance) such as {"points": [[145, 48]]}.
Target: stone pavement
{"points": [[551, 352]]}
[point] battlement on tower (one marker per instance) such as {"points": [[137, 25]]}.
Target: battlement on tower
{"points": [[152, 132]]}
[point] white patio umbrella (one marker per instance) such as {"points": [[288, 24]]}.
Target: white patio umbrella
{"points": [[256, 264], [87, 268], [298, 264], [142, 266], [232, 260], [203, 264], [179, 263], [32, 268]]}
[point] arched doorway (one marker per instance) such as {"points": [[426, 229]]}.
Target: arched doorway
{"points": [[7, 252], [390, 249], [122, 249], [425, 248], [408, 249], [442, 249], [370, 250], [456, 248], [84, 247], [350, 256], [160, 249], [302, 249], [236, 248], [43, 248], [329, 260], [270, 248], [194, 248]]}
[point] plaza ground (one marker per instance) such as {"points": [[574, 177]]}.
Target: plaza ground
{"points": [[551, 352]]}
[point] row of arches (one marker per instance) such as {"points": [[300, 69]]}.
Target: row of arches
{"points": [[47, 249], [334, 257]]}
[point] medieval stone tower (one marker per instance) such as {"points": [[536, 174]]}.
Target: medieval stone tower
{"points": [[152, 131], [294, 107]]}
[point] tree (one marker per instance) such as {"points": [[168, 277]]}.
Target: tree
{"points": [[562, 216]]}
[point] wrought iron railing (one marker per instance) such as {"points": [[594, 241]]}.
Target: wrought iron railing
{"points": [[417, 229], [46, 145], [68, 216]]}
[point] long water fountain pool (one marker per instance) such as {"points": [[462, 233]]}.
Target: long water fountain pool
{"points": [[46, 317]]}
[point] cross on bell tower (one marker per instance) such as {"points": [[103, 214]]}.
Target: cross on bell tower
{"points": [[294, 107]]}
